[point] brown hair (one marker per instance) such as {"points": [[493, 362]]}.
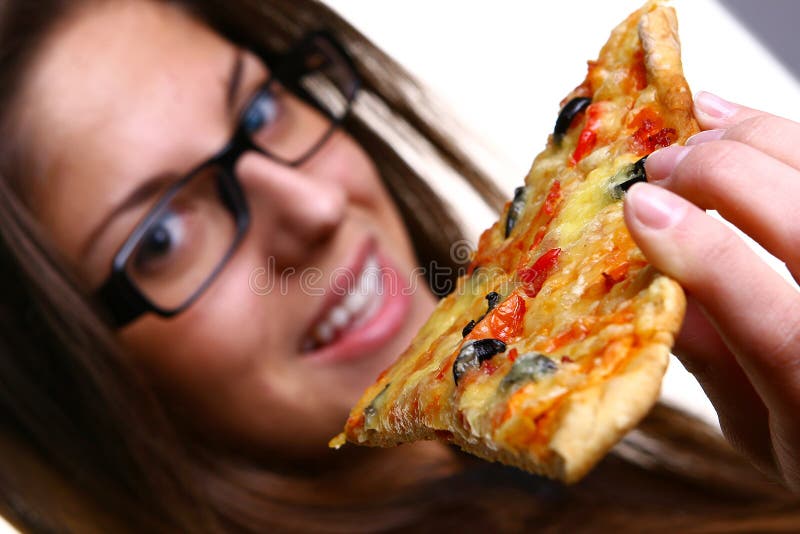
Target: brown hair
{"points": [[72, 402]]}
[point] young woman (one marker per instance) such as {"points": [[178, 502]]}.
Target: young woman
{"points": [[161, 160]]}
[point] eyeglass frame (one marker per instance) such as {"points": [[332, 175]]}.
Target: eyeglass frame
{"points": [[120, 296]]}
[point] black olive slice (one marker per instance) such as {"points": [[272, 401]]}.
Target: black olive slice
{"points": [[494, 299], [515, 210], [568, 112], [625, 178], [475, 352], [529, 367], [468, 328], [371, 411]]}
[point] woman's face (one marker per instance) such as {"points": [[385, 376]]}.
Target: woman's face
{"points": [[126, 91]]}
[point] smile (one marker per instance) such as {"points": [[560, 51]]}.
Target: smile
{"points": [[356, 307], [366, 308]]}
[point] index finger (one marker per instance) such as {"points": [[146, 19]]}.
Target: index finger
{"points": [[713, 112], [768, 133]]}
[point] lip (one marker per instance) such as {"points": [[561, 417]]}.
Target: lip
{"points": [[363, 340]]}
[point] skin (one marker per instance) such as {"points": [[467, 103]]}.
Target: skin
{"points": [[741, 337], [231, 364]]}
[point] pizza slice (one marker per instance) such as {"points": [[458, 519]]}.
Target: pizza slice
{"points": [[555, 342]]}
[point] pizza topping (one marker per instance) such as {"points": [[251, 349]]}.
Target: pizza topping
{"points": [[515, 210], [588, 137], [626, 177], [533, 277], [475, 352], [467, 329], [650, 133], [371, 411], [566, 116], [547, 212], [504, 322], [552, 200], [493, 298], [531, 366], [636, 78], [616, 275]]}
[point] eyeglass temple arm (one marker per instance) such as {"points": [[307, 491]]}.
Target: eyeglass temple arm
{"points": [[121, 300]]}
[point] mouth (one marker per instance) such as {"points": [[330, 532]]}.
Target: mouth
{"points": [[356, 306], [364, 310]]}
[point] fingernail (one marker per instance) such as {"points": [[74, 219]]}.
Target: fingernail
{"points": [[705, 137], [655, 207], [714, 106], [661, 163]]}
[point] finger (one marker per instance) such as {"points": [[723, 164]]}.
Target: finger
{"points": [[754, 191], [713, 112], [743, 418], [756, 312], [786, 443], [775, 136]]}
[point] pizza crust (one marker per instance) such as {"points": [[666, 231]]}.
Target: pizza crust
{"points": [[596, 418], [658, 31]]}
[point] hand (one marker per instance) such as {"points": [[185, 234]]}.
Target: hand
{"points": [[741, 336]]}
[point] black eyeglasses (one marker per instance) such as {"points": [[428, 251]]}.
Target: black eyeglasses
{"points": [[184, 241]]}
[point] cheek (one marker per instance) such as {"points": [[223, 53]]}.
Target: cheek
{"points": [[216, 343]]}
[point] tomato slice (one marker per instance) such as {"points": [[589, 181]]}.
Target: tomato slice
{"points": [[503, 323]]}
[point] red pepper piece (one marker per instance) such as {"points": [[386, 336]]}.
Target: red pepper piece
{"points": [[503, 323], [534, 277], [650, 133], [553, 197], [588, 136], [586, 143]]}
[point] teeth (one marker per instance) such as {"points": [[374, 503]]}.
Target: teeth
{"points": [[324, 332], [354, 302], [339, 317], [354, 309]]}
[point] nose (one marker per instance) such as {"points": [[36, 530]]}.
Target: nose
{"points": [[299, 210]]}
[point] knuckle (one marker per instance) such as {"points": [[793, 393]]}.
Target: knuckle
{"points": [[754, 445], [701, 238], [708, 164], [714, 170], [755, 130], [783, 349]]}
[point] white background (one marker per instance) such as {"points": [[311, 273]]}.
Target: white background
{"points": [[503, 66]]}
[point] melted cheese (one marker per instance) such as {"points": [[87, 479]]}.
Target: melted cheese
{"points": [[584, 203]]}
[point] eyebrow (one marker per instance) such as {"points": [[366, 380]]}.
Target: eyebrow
{"points": [[157, 183]]}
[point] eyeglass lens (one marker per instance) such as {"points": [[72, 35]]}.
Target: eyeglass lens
{"points": [[189, 237]]}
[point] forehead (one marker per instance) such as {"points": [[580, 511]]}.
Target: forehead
{"points": [[114, 92]]}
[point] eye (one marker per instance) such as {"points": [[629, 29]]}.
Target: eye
{"points": [[262, 112], [160, 242]]}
